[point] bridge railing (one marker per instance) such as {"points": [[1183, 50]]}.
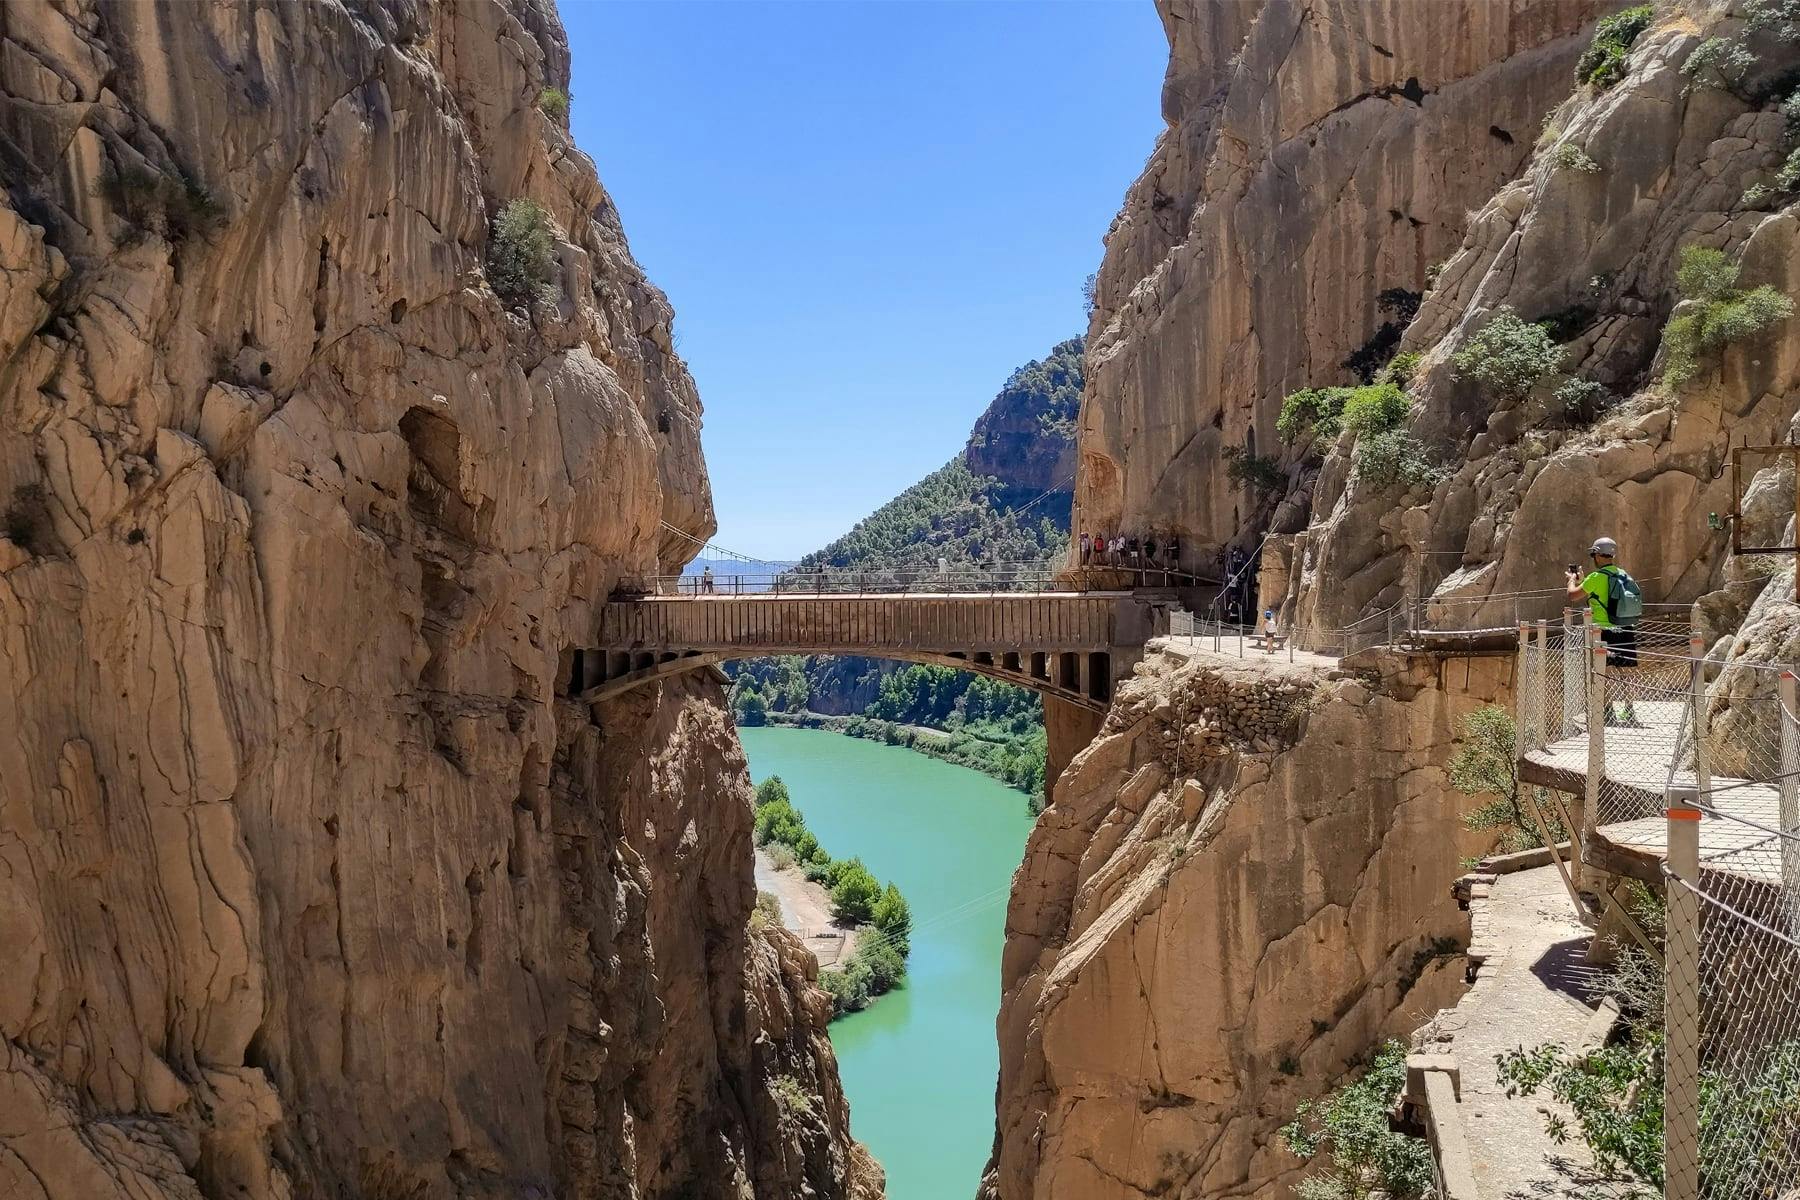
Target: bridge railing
{"points": [[991, 579], [1706, 779]]}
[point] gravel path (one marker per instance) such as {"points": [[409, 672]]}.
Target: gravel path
{"points": [[806, 909]]}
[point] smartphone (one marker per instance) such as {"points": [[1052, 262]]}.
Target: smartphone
{"points": [[1574, 570]]}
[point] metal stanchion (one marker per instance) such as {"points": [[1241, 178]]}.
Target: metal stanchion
{"points": [[1681, 1097]]}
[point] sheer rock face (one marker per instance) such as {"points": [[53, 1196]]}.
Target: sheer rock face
{"points": [[1316, 156], [1525, 490], [310, 883], [1210, 926]]}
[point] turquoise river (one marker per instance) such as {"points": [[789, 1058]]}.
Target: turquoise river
{"points": [[919, 1066]]}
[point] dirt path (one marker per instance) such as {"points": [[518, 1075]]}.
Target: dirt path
{"points": [[806, 909]]}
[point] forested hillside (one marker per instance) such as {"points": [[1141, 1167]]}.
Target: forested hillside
{"points": [[1000, 506]]}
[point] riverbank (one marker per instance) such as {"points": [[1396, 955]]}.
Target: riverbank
{"points": [[997, 758], [806, 910]]}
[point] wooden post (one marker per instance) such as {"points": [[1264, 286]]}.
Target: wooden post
{"points": [[1681, 1098]]}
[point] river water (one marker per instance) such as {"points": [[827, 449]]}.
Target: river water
{"points": [[919, 1065]]}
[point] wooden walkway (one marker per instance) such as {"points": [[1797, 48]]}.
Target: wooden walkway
{"points": [[1634, 786]]}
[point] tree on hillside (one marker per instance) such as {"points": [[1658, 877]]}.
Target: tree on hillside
{"points": [[854, 892]]}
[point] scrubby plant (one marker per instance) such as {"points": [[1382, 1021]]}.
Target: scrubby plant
{"points": [[1718, 62], [1394, 456], [553, 102], [1567, 156], [1318, 411], [783, 858], [1255, 471], [1582, 400], [767, 912], [1602, 64], [892, 918], [1787, 175], [1778, 17], [520, 252], [1485, 764], [1375, 409], [1401, 368], [1509, 357], [1348, 1134], [1717, 313], [793, 1098]]}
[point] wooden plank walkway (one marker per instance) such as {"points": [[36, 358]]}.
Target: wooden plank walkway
{"points": [[1636, 779]]}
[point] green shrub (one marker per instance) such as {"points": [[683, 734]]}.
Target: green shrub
{"points": [[1582, 400], [854, 892], [1567, 156], [1376, 408], [1509, 357], [767, 912], [1779, 17], [885, 965], [553, 102], [1255, 471], [1602, 64], [1363, 1157], [782, 857], [1318, 411], [1394, 456], [1787, 176], [1717, 314], [772, 790], [848, 988], [1401, 369], [520, 252], [1718, 63]]}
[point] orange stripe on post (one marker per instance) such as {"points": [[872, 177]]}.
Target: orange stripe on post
{"points": [[1683, 814]]}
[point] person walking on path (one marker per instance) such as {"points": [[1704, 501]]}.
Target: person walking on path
{"points": [[1615, 604]]}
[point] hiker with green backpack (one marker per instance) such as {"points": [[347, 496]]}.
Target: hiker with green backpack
{"points": [[1616, 603]]}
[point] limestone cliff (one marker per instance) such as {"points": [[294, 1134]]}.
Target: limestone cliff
{"points": [[1211, 921], [1664, 161], [1319, 158], [310, 882]]}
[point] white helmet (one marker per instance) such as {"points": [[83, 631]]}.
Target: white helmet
{"points": [[1604, 546]]}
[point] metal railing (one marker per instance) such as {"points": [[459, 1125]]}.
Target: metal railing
{"points": [[988, 579], [1703, 777]]}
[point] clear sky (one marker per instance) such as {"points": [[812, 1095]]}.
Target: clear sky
{"points": [[866, 215]]}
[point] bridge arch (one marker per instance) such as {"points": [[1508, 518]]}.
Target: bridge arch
{"points": [[1084, 679]]}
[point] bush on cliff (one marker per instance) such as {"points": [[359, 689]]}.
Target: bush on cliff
{"points": [[1509, 357], [1485, 765], [1602, 64], [1348, 1130], [520, 252], [1714, 313]]}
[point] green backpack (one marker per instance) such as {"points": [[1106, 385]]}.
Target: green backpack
{"points": [[1624, 599]]}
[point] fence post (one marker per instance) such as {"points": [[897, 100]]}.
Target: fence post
{"points": [[1789, 820], [1542, 686], [1526, 737], [1681, 1097], [1574, 671], [1596, 738], [1697, 697]]}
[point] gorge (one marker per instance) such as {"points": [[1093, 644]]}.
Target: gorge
{"points": [[335, 414]]}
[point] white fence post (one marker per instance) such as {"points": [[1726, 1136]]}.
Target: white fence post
{"points": [[1789, 820], [1697, 697], [1530, 704], [1574, 672], [1596, 737], [1543, 685], [1681, 1097]]}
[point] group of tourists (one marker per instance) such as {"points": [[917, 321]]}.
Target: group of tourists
{"points": [[1130, 553]]}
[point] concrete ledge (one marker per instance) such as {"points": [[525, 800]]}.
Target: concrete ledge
{"points": [[1449, 1142], [1600, 1026], [1524, 860]]}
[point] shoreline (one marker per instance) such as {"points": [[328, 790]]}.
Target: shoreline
{"points": [[941, 744], [806, 912]]}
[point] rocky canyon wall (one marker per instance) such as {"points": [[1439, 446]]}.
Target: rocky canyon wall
{"points": [[1318, 159], [311, 884], [1241, 884]]}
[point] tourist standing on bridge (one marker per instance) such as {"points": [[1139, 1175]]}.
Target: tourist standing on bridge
{"points": [[706, 580], [1615, 603], [1085, 550]]}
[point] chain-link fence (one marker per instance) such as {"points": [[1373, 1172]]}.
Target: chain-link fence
{"points": [[1700, 774]]}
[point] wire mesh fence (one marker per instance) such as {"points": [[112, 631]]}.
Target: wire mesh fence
{"points": [[1702, 774]]}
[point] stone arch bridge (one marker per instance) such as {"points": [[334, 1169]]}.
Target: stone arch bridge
{"points": [[1071, 646]]}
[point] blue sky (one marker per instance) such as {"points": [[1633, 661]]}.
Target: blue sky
{"points": [[865, 214]]}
